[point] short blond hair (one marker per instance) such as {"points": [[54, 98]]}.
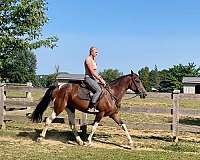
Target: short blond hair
{"points": [[91, 49]]}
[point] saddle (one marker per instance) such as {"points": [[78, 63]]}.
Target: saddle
{"points": [[84, 92]]}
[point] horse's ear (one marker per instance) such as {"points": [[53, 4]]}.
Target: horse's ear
{"points": [[132, 72]]}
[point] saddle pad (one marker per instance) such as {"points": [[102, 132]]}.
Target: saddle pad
{"points": [[84, 94]]}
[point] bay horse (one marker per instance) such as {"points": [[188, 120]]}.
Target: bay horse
{"points": [[65, 98]]}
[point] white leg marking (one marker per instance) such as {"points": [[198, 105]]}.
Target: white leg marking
{"points": [[48, 121], [71, 117], [127, 134], [94, 127]]}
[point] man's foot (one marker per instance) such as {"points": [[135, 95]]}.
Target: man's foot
{"points": [[93, 110]]}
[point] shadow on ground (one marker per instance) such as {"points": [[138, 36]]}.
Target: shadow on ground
{"points": [[190, 121]]}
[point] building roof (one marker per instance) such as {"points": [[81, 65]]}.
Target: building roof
{"points": [[191, 80], [67, 76]]}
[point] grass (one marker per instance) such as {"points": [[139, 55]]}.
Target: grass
{"points": [[37, 151], [160, 102], [18, 140]]}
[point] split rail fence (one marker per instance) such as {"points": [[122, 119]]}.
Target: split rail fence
{"points": [[11, 108]]}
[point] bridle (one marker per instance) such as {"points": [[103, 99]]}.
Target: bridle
{"points": [[136, 94], [116, 99]]}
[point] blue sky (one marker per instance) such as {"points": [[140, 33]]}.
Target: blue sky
{"points": [[130, 34]]}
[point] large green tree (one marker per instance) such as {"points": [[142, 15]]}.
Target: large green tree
{"points": [[154, 78], [172, 78], [20, 69], [144, 77], [21, 23], [177, 72], [110, 74]]}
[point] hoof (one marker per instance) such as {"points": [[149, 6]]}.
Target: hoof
{"points": [[79, 140], [81, 143], [87, 143], [131, 144], [39, 139]]}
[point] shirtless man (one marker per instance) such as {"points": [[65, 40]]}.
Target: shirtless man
{"points": [[92, 78]]}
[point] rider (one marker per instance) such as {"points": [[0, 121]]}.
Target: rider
{"points": [[92, 78]]}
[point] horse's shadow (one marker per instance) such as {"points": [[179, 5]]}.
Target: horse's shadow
{"points": [[53, 134], [190, 121], [68, 137]]}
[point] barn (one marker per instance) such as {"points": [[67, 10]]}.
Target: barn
{"points": [[191, 85], [64, 77]]}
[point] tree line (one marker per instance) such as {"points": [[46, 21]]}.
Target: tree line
{"points": [[167, 80]]}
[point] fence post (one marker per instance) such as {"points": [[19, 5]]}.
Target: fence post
{"points": [[28, 94], [175, 121], [83, 125], [2, 112]]}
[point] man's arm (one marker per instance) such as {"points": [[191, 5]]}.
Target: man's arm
{"points": [[93, 71]]}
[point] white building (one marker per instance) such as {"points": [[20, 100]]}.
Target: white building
{"points": [[191, 85]]}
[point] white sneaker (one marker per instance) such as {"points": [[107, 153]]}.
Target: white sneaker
{"points": [[93, 110]]}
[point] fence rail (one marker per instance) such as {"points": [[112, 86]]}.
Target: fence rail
{"points": [[11, 106], [25, 103]]}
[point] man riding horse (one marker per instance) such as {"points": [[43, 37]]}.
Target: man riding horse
{"points": [[92, 78], [66, 97]]}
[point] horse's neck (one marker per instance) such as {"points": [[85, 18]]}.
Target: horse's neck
{"points": [[119, 89]]}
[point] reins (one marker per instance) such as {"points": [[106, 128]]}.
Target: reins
{"points": [[132, 97], [112, 96]]}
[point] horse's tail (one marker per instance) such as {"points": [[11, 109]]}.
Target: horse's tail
{"points": [[42, 105]]}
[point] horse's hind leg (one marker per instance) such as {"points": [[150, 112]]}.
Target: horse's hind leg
{"points": [[117, 119], [47, 123], [58, 108], [71, 117]]}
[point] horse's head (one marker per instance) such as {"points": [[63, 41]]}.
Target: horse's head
{"points": [[136, 85]]}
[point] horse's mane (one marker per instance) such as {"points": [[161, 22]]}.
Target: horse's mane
{"points": [[118, 80], [115, 81]]}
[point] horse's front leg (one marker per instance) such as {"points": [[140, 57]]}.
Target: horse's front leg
{"points": [[98, 118], [71, 117], [117, 119]]}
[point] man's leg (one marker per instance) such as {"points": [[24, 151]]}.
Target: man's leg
{"points": [[97, 89]]}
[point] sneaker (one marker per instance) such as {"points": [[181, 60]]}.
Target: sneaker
{"points": [[93, 110]]}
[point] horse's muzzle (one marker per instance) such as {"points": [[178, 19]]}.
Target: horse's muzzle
{"points": [[143, 95]]}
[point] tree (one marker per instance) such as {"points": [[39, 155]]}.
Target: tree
{"points": [[154, 79], [177, 73], [166, 81], [20, 68], [172, 79], [21, 28], [144, 77], [110, 74], [47, 80]]}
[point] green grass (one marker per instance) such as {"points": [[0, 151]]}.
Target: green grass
{"points": [[35, 151], [160, 102], [23, 149], [18, 140]]}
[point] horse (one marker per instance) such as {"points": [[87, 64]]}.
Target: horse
{"points": [[65, 97]]}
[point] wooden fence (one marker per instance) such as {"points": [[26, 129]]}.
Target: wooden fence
{"points": [[15, 107], [12, 104]]}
